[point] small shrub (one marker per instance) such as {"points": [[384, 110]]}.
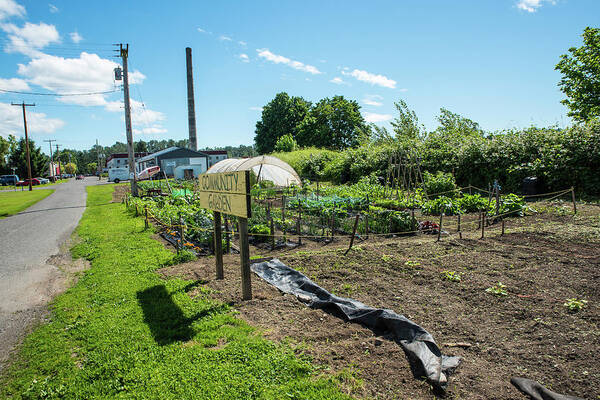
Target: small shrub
{"points": [[575, 305], [472, 203], [451, 276], [441, 205], [183, 256], [499, 289], [286, 143], [262, 230], [440, 184], [513, 204]]}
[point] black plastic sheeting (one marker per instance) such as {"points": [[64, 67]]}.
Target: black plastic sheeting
{"points": [[424, 356], [538, 392]]}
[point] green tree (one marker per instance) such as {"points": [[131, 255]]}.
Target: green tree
{"points": [[406, 125], [141, 147], [18, 159], [70, 168], [454, 125], [286, 143], [334, 123], [4, 152], [581, 77], [92, 167], [280, 116]]}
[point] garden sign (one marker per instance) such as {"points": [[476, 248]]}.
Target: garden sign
{"points": [[229, 193]]}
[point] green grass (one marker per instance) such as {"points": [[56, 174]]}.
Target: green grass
{"points": [[12, 203], [123, 332]]}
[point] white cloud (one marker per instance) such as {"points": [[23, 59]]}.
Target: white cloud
{"points": [[242, 43], [30, 38], [368, 77], [338, 81], [76, 37], [532, 5], [373, 100], [11, 121], [149, 131], [255, 108], [10, 8], [372, 117], [14, 84], [225, 38], [277, 59], [244, 57], [143, 120], [87, 73], [53, 8], [201, 30]]}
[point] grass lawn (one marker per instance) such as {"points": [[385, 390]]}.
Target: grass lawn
{"points": [[123, 332], [14, 202]]}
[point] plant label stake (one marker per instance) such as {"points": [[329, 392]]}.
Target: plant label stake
{"points": [[439, 236]]}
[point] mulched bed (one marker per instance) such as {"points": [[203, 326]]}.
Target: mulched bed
{"points": [[543, 260]]}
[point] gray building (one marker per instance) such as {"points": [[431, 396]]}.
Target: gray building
{"points": [[173, 157]]}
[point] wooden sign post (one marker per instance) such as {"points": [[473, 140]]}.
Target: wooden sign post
{"points": [[229, 193]]}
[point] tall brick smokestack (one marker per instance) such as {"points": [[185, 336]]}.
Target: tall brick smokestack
{"points": [[193, 145]]}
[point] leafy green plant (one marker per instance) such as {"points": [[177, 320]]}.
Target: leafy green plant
{"points": [[514, 204], [183, 256], [440, 183], [498, 289], [452, 276], [575, 305], [472, 203], [262, 230], [286, 143], [441, 205]]}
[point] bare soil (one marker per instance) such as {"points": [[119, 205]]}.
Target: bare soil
{"points": [[543, 259]]}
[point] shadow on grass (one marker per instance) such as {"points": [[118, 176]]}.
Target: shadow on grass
{"points": [[166, 320]]}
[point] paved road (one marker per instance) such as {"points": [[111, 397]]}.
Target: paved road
{"points": [[27, 241]]}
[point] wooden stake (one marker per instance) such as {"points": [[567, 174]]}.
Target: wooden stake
{"points": [[332, 224], [283, 217], [502, 234], [146, 212], [367, 225], [181, 231], [245, 260], [272, 235], [440, 227], [459, 230], [299, 227], [573, 198], [483, 215], [218, 243], [353, 233]]}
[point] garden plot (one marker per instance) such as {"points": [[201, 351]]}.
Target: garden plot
{"points": [[452, 289]]}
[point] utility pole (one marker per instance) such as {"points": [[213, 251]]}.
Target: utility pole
{"points": [[60, 171], [51, 158], [193, 141], [26, 140], [124, 53], [98, 162]]}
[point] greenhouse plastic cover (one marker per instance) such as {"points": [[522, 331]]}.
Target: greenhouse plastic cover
{"points": [[265, 168], [424, 356]]}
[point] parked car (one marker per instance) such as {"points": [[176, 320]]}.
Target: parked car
{"points": [[8, 180], [43, 181], [79, 177], [25, 182]]}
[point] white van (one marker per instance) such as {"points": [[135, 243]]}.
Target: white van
{"points": [[117, 175]]}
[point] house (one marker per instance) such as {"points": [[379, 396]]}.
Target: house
{"points": [[173, 157], [119, 160], [214, 156]]}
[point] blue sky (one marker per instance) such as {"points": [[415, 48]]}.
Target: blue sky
{"points": [[489, 60]]}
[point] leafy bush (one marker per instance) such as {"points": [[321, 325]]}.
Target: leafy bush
{"points": [[472, 203], [183, 256], [513, 204], [440, 183], [286, 143], [442, 204], [262, 230]]}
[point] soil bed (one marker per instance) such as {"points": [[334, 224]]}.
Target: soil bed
{"points": [[543, 260]]}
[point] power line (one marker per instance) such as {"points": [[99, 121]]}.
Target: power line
{"points": [[58, 94]]}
